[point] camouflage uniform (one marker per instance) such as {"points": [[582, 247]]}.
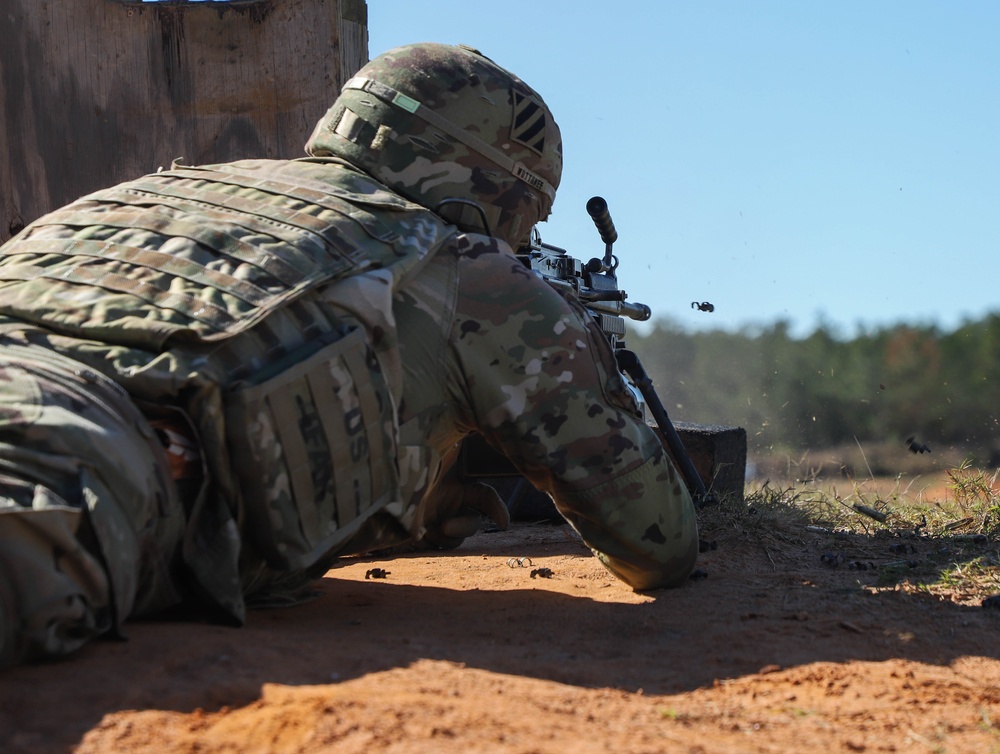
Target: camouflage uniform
{"points": [[532, 372], [214, 381]]}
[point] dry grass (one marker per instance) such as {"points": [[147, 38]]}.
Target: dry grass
{"points": [[936, 534]]}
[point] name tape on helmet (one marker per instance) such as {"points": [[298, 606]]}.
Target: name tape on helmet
{"points": [[532, 179], [414, 107]]}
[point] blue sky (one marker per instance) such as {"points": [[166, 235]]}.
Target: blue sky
{"points": [[814, 162]]}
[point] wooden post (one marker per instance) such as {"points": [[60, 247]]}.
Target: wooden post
{"points": [[95, 92]]}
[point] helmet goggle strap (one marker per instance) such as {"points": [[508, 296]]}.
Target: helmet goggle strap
{"points": [[465, 213], [472, 217], [412, 106]]}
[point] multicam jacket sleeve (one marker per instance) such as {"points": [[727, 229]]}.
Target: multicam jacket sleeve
{"points": [[530, 371]]}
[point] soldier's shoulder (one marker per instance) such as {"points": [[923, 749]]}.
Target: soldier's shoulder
{"points": [[475, 245]]}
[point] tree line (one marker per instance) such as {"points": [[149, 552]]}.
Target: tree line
{"points": [[820, 391]]}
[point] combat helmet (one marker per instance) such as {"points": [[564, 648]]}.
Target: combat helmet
{"points": [[448, 128]]}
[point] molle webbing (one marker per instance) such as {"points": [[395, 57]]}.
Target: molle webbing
{"points": [[131, 255], [238, 243], [284, 269], [203, 312], [318, 444]]}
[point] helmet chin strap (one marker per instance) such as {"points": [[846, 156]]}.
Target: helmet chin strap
{"points": [[394, 97]]}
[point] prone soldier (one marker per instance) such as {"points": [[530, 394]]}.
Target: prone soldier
{"points": [[216, 380]]}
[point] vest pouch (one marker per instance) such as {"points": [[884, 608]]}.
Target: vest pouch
{"points": [[314, 450]]}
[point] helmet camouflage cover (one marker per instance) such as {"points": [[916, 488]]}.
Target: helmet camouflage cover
{"points": [[445, 126]]}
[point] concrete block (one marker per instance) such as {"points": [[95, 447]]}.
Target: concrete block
{"points": [[718, 453], [720, 456]]}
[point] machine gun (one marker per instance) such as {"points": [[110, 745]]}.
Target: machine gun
{"points": [[595, 284]]}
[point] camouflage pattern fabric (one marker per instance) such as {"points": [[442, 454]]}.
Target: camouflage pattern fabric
{"points": [[439, 123], [88, 515], [316, 444], [192, 287], [491, 348], [203, 254]]}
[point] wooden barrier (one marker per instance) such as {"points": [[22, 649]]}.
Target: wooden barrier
{"points": [[95, 92]]}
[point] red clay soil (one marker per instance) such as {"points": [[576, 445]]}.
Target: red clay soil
{"points": [[775, 649]]}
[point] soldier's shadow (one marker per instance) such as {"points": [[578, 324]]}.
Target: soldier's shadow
{"points": [[682, 640]]}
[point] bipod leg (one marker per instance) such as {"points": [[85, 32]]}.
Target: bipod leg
{"points": [[629, 363]]}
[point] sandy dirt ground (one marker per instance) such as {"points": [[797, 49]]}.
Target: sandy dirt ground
{"points": [[776, 648]]}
